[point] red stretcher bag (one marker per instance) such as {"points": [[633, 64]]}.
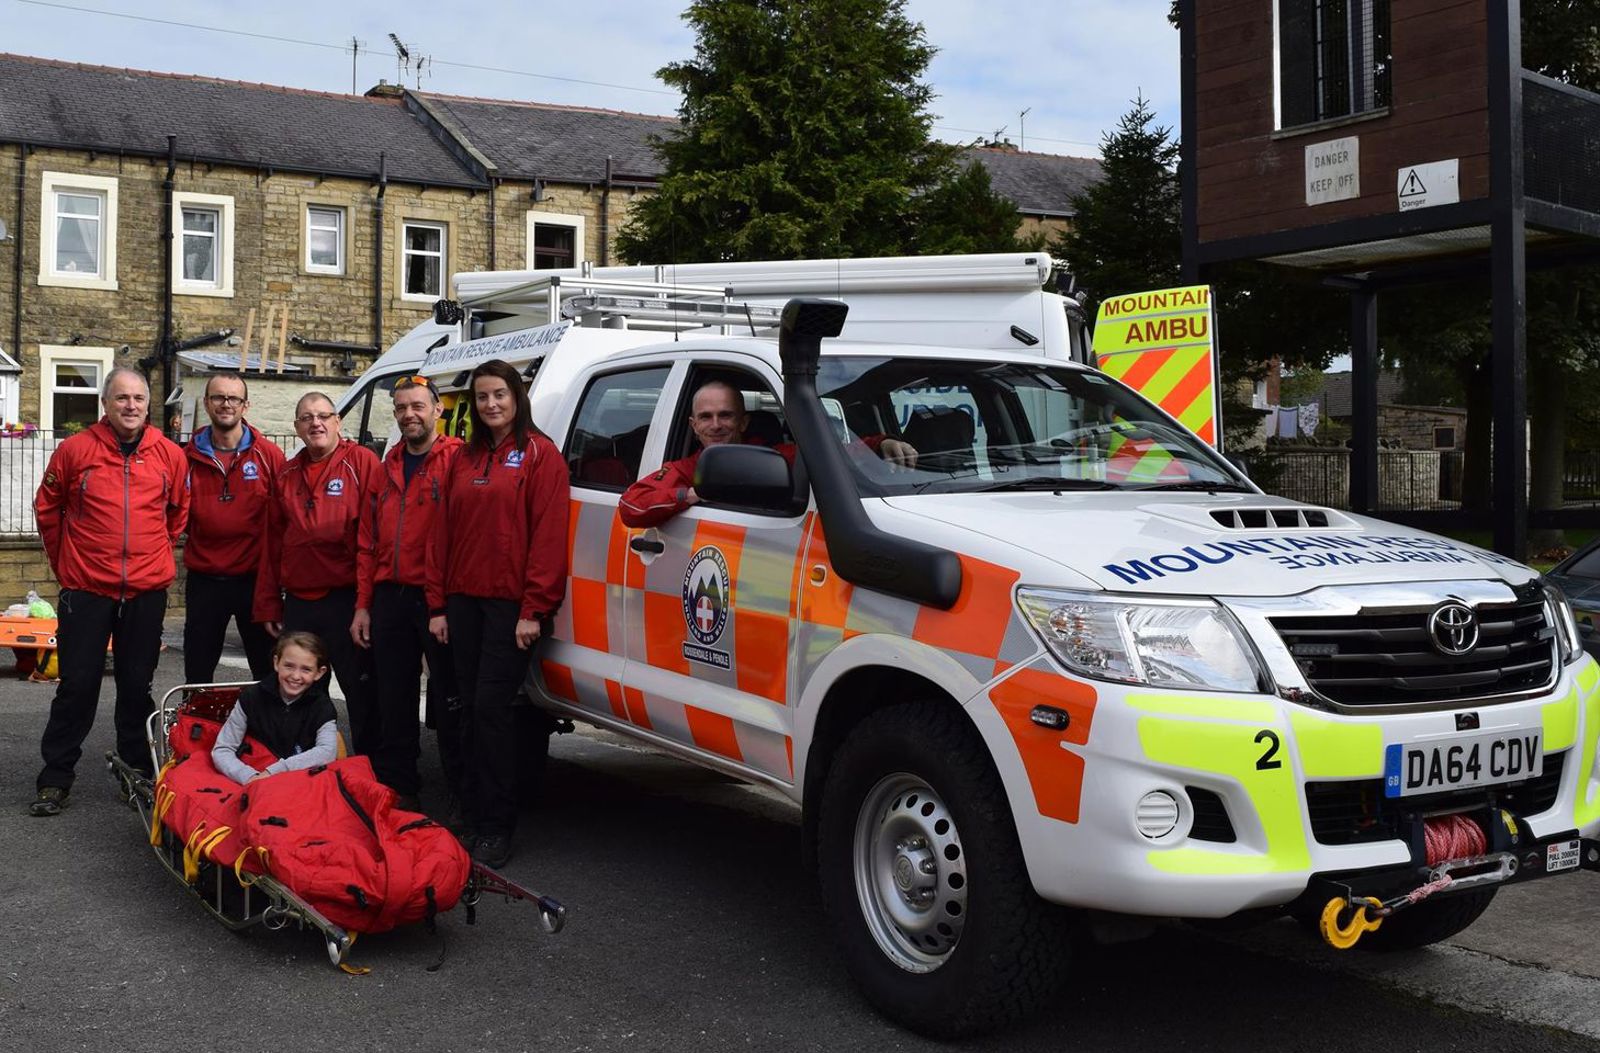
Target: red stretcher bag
{"points": [[333, 834]]}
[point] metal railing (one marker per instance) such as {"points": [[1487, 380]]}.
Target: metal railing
{"points": [[1560, 143], [23, 458]]}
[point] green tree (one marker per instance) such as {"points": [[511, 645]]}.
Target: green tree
{"points": [[804, 133], [1126, 235]]}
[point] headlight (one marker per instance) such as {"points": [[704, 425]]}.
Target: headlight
{"points": [[1566, 625], [1163, 643]]}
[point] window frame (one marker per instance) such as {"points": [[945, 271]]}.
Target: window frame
{"points": [[1376, 108], [222, 205], [673, 375], [556, 219], [406, 252], [53, 355], [341, 231], [104, 187]]}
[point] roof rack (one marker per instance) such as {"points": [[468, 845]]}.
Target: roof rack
{"points": [[606, 304]]}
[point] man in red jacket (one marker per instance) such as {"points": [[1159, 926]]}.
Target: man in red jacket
{"points": [[111, 506], [391, 609], [307, 576], [231, 472], [717, 417]]}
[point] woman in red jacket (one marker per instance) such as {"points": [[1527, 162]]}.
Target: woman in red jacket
{"points": [[307, 576], [497, 572]]}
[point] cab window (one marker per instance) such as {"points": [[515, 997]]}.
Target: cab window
{"points": [[764, 421], [608, 434]]}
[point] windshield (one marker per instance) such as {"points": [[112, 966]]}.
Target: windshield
{"points": [[985, 426]]}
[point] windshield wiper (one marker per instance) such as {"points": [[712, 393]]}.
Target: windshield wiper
{"points": [[1040, 483], [1191, 484]]}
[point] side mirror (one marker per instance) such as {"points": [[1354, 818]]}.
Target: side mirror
{"points": [[1239, 463], [752, 477]]}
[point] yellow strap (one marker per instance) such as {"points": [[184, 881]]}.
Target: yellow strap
{"points": [[158, 812], [213, 839], [245, 879], [354, 970], [191, 861]]}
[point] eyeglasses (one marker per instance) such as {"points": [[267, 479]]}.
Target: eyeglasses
{"points": [[319, 418], [225, 400]]}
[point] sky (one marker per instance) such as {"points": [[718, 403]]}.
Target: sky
{"points": [[1074, 65]]}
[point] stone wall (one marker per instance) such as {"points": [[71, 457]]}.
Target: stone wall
{"points": [[23, 566]]}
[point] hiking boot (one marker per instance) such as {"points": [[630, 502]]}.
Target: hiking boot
{"points": [[48, 802], [492, 850]]}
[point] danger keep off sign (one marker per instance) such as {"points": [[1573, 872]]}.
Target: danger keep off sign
{"points": [[1159, 344]]}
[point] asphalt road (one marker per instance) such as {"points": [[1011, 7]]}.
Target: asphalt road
{"points": [[691, 927]]}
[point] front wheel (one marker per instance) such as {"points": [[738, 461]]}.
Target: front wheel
{"points": [[923, 879]]}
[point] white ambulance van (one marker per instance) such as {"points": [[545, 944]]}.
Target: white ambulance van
{"points": [[1071, 666]]}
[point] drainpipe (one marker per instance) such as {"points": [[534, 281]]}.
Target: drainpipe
{"points": [[605, 219], [164, 349], [494, 186], [16, 254], [377, 253]]}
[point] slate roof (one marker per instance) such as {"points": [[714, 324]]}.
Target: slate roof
{"points": [[528, 140], [1335, 396], [64, 104], [1038, 184]]}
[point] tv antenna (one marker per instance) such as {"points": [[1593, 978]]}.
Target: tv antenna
{"points": [[414, 64]]}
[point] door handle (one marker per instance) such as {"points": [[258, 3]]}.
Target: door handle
{"points": [[644, 544]]}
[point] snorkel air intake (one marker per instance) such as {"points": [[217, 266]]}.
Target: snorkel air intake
{"points": [[861, 553]]}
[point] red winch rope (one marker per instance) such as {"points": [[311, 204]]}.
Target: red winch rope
{"points": [[1453, 837]]}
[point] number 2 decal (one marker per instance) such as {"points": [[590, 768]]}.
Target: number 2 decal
{"points": [[1267, 761]]}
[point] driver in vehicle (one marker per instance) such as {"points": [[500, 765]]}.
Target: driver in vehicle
{"points": [[717, 416]]}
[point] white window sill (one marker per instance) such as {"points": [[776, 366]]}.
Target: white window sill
{"points": [[203, 290], [67, 281]]}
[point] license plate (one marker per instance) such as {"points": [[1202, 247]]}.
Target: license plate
{"points": [[1457, 763], [1563, 855]]}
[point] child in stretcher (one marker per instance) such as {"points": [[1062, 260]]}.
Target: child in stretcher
{"points": [[294, 717]]}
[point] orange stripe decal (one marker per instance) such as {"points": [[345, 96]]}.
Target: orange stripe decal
{"points": [[558, 680], [588, 600], [1144, 366], [714, 732], [977, 623], [1055, 774], [763, 653], [614, 696], [664, 630], [1188, 389], [828, 603], [633, 699], [729, 540], [617, 554]]}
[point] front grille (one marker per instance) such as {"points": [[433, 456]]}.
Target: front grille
{"points": [[1390, 659], [1356, 811], [1211, 822]]}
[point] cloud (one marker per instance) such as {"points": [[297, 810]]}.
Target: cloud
{"points": [[1075, 63]]}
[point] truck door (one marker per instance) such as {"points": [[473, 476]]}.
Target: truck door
{"points": [[604, 447], [710, 660]]}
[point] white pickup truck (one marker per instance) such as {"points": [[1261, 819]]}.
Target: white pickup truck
{"points": [[1071, 659]]}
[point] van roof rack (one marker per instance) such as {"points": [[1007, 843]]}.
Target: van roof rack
{"points": [[607, 304]]}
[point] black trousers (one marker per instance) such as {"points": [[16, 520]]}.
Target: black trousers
{"points": [[210, 600], [490, 671], [400, 641], [85, 621], [329, 618]]}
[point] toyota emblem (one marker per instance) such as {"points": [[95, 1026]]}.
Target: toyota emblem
{"points": [[1453, 628]]}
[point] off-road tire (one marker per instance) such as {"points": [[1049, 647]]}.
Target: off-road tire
{"points": [[1429, 922], [1012, 951]]}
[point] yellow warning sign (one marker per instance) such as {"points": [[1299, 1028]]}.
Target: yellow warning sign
{"points": [[1160, 344]]}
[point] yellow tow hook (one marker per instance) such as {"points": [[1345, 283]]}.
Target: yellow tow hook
{"points": [[1345, 936]]}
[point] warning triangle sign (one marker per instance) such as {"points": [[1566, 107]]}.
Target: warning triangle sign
{"points": [[1412, 185]]}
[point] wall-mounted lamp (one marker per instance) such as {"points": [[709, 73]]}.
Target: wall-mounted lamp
{"points": [[5, 235], [538, 190]]}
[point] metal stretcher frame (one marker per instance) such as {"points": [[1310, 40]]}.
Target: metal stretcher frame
{"points": [[242, 902]]}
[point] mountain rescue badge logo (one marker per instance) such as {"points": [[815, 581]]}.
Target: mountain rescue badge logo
{"points": [[250, 471], [705, 607]]}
